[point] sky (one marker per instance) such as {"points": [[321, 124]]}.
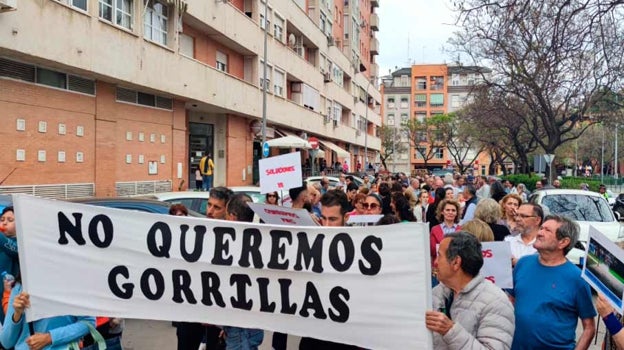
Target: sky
{"points": [[425, 24]]}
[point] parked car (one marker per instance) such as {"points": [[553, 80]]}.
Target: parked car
{"points": [[198, 200], [140, 204], [333, 181], [587, 209], [618, 206]]}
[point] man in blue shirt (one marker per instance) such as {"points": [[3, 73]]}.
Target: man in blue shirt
{"points": [[550, 295]]}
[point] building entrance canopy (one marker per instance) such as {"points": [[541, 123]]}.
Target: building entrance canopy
{"points": [[332, 146]]}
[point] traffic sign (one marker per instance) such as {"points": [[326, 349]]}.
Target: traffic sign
{"points": [[314, 142], [265, 150]]}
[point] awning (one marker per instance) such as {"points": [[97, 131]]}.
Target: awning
{"points": [[181, 5], [437, 99], [339, 151], [289, 142], [421, 98]]}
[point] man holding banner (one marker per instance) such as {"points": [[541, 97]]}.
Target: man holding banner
{"points": [[469, 312], [334, 208]]}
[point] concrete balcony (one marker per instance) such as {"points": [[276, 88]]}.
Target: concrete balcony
{"points": [[374, 70], [374, 46], [374, 22], [374, 3]]}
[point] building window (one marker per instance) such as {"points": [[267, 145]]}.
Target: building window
{"points": [[437, 100], [455, 80], [156, 22], [421, 117], [404, 102], [404, 118], [419, 151], [421, 136], [278, 28], [269, 73], [222, 61], [420, 100], [140, 98], [79, 4], [118, 12], [455, 101], [278, 82], [390, 119], [322, 22], [421, 83], [391, 102], [404, 80], [187, 45], [437, 83], [439, 153]]}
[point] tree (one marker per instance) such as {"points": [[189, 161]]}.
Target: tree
{"points": [[463, 147], [506, 135], [427, 135], [554, 58], [390, 143]]}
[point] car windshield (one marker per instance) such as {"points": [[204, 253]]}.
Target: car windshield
{"points": [[578, 207]]}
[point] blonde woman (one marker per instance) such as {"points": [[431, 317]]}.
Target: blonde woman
{"points": [[479, 229], [509, 207]]}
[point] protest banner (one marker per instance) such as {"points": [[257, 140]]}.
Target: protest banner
{"points": [[603, 267], [369, 287], [280, 173], [279, 215], [497, 263]]}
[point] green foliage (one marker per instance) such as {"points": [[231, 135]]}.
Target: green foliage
{"points": [[528, 180], [574, 183]]}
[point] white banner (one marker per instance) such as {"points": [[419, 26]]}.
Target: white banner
{"points": [[280, 173], [497, 263], [368, 287], [279, 215]]}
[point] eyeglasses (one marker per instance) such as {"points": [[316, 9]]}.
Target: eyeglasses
{"points": [[524, 216], [272, 195], [370, 205]]}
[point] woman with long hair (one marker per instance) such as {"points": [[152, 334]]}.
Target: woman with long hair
{"points": [[509, 206], [401, 207], [271, 198], [431, 216], [420, 209], [448, 215]]}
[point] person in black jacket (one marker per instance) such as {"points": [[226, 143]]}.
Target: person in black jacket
{"points": [[489, 211]]}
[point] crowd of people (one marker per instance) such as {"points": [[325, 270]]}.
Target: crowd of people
{"points": [[541, 311]]}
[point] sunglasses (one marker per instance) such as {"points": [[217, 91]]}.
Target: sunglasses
{"points": [[370, 205], [272, 195]]}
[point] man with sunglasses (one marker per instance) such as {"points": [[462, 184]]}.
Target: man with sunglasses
{"points": [[470, 312]]}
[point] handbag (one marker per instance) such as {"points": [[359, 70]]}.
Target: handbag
{"points": [[98, 340]]}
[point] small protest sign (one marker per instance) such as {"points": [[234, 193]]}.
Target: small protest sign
{"points": [[280, 173]]}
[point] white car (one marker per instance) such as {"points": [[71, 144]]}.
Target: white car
{"points": [[586, 208], [197, 200]]}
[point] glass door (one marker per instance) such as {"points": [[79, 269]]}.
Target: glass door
{"points": [[201, 140]]}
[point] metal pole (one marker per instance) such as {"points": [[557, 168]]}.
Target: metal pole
{"points": [[615, 161], [264, 77], [602, 158], [366, 130]]}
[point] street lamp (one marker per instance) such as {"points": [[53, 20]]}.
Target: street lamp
{"points": [[264, 78], [366, 129]]}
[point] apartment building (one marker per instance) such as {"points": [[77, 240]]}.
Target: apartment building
{"points": [[396, 90], [434, 89], [114, 97]]}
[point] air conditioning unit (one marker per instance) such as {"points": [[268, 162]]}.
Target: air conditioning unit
{"points": [[330, 41], [357, 132], [8, 5], [335, 123], [326, 77]]}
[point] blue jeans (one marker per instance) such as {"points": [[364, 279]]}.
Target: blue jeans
{"points": [[207, 182], [237, 338]]}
